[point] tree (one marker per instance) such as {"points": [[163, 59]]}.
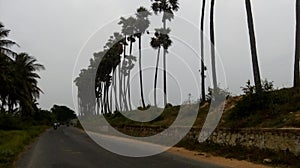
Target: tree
{"points": [[203, 68], [256, 72], [6, 44], [63, 113], [142, 23], [27, 92], [297, 47], [167, 7], [212, 40], [160, 39]]}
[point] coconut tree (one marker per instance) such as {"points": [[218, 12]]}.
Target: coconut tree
{"points": [[6, 44], [142, 23], [25, 68], [255, 65], [297, 46], [202, 52], [167, 8]]}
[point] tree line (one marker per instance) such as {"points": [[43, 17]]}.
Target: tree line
{"points": [[110, 69]]}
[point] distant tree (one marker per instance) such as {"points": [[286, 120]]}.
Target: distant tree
{"points": [[255, 65], [63, 113], [297, 47]]}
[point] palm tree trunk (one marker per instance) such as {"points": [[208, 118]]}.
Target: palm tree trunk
{"points": [[164, 69], [141, 73], [202, 53], [297, 46], [253, 47], [115, 90], [155, 77], [212, 40]]}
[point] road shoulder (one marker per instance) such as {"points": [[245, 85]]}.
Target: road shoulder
{"points": [[205, 157]]}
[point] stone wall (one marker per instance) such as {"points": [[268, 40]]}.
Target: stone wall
{"points": [[281, 140]]}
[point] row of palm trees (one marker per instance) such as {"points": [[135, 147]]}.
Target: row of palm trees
{"points": [[18, 78], [113, 71]]}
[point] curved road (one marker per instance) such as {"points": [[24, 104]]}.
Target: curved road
{"points": [[70, 147]]}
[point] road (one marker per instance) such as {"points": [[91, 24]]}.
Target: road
{"points": [[69, 147]]}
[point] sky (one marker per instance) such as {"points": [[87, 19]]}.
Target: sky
{"points": [[63, 35]]}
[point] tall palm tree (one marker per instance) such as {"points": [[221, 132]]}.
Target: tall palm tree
{"points": [[297, 47], [128, 30], [202, 52], [6, 44], [212, 40], [142, 23], [167, 7], [160, 39], [255, 65]]}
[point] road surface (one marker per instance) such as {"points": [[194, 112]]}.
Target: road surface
{"points": [[69, 147]]}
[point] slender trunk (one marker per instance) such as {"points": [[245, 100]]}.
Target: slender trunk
{"points": [[253, 47], [140, 69], [106, 98], [164, 69], [202, 53], [111, 89], [121, 76], [297, 46], [155, 77], [212, 40], [129, 95], [115, 90]]}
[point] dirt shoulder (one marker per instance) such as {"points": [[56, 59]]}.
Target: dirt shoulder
{"points": [[205, 157]]}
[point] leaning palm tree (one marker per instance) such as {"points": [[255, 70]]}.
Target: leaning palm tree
{"points": [[256, 73], [142, 23], [202, 52], [6, 44], [297, 47], [167, 7]]}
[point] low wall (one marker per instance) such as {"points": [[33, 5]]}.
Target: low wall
{"points": [[280, 140]]}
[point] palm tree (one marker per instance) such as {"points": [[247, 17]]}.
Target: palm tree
{"points": [[25, 68], [297, 47], [128, 30], [160, 39], [256, 73], [212, 40], [6, 44], [202, 52], [142, 23], [167, 7]]}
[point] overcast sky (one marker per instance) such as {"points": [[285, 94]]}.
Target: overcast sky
{"points": [[59, 32]]}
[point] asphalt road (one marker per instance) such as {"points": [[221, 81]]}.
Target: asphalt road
{"points": [[69, 147]]}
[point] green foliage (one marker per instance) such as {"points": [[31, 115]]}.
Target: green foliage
{"points": [[13, 142], [63, 113], [268, 108]]}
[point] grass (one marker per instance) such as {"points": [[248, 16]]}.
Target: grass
{"points": [[13, 142]]}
